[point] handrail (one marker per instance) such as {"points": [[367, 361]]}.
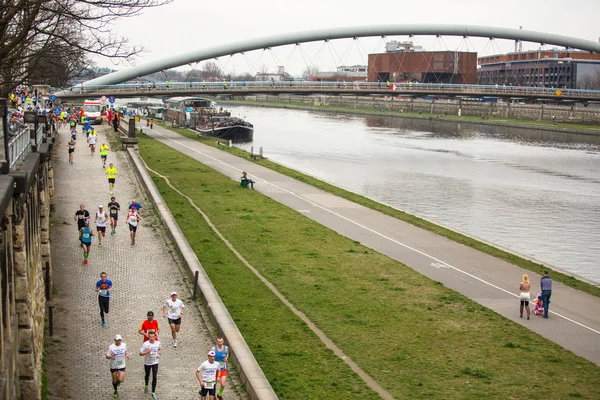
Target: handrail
{"points": [[20, 145]]}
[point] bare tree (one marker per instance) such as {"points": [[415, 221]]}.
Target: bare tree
{"points": [[309, 71], [263, 70], [35, 33], [210, 69]]}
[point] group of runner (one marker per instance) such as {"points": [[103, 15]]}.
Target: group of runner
{"points": [[210, 374]]}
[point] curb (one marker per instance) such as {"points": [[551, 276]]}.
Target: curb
{"points": [[257, 385]]}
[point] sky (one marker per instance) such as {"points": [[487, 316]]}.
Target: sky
{"points": [[186, 25]]}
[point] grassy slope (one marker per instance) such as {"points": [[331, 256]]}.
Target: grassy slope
{"points": [[421, 223], [416, 337]]}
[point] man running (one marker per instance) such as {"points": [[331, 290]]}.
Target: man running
{"points": [[135, 205], [104, 286], [101, 220], [85, 236], [71, 146], [81, 216], [133, 218], [221, 356], [111, 172], [175, 312], [149, 324], [92, 141], [113, 210], [117, 354], [103, 154], [151, 350], [206, 375]]}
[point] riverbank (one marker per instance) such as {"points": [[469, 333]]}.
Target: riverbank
{"points": [[559, 275], [563, 127], [358, 297]]}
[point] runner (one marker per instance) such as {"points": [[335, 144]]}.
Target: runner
{"points": [[85, 235], [117, 354], [101, 220], [152, 350], [135, 205], [175, 308], [81, 216], [221, 356], [133, 218], [103, 154], [74, 135], [71, 146], [148, 325], [103, 287], [206, 375], [113, 209], [111, 172], [92, 141]]}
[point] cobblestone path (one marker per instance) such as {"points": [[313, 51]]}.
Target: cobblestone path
{"points": [[143, 276]]}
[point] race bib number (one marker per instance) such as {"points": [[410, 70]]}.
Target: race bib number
{"points": [[174, 310], [151, 359], [103, 291], [222, 365], [86, 236], [209, 385], [113, 212], [117, 363]]}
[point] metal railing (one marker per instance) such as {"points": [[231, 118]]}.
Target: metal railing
{"points": [[21, 144], [329, 87]]}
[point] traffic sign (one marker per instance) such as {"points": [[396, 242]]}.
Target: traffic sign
{"points": [[52, 97], [57, 111], [103, 98], [558, 92], [111, 99]]}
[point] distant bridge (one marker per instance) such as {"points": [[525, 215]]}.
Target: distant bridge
{"points": [[173, 89]]}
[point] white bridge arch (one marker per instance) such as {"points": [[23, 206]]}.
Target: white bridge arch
{"points": [[341, 33]]}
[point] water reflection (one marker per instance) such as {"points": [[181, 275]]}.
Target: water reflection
{"points": [[535, 192]]}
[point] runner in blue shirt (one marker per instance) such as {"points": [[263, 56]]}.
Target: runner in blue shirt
{"points": [[103, 287]]}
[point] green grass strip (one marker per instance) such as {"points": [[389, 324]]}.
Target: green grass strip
{"points": [[417, 338], [401, 215]]}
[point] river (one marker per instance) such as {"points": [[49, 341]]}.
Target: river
{"points": [[533, 192]]}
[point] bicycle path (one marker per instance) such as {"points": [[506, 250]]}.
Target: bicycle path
{"points": [[574, 321], [143, 275]]}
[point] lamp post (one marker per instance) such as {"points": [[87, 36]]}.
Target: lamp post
{"points": [[4, 161]]}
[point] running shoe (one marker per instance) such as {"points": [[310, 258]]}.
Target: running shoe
{"points": [[154, 395], [99, 244], [175, 344], [219, 397], [103, 323], [116, 394], [85, 262], [146, 389], [111, 192]]}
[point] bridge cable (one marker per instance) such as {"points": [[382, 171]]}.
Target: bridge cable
{"points": [[372, 63]]}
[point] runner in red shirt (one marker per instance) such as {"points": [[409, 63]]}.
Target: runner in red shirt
{"points": [[149, 324]]}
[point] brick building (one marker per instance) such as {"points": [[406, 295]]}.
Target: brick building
{"points": [[555, 68]]}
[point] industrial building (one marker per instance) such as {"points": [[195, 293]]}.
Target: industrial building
{"points": [[404, 62], [552, 69]]}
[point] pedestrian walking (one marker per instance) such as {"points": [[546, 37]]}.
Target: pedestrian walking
{"points": [[118, 355], [101, 220], [151, 350], [85, 236], [115, 121], [525, 296], [104, 286], [149, 324], [546, 286], [221, 356], [173, 309], [103, 154], [147, 121], [151, 124], [133, 219], [81, 216], [113, 210], [111, 172], [207, 376]]}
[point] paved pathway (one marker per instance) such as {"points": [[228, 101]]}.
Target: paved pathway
{"points": [[143, 275], [485, 279]]}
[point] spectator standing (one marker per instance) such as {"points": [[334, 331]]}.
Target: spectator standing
{"points": [[546, 286], [525, 297]]}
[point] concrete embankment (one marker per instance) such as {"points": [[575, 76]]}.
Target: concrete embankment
{"points": [[496, 114]]}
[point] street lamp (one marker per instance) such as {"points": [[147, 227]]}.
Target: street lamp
{"points": [[5, 164]]}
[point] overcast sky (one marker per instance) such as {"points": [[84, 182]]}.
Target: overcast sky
{"points": [[186, 25]]}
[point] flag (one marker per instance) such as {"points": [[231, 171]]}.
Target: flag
{"points": [[392, 87]]}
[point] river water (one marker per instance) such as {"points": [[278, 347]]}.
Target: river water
{"points": [[536, 193]]}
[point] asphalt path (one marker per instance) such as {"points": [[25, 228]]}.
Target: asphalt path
{"points": [[574, 321]]}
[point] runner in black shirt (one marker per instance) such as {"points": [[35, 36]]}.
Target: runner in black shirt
{"points": [[113, 208], [81, 216]]}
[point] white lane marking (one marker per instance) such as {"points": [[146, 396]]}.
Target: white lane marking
{"points": [[375, 232], [440, 265]]}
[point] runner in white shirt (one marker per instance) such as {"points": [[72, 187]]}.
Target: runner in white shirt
{"points": [[92, 141], [175, 307], [207, 376], [133, 218], [117, 354], [151, 350], [101, 220]]}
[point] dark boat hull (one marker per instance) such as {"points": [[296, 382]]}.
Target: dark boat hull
{"points": [[237, 133]]}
